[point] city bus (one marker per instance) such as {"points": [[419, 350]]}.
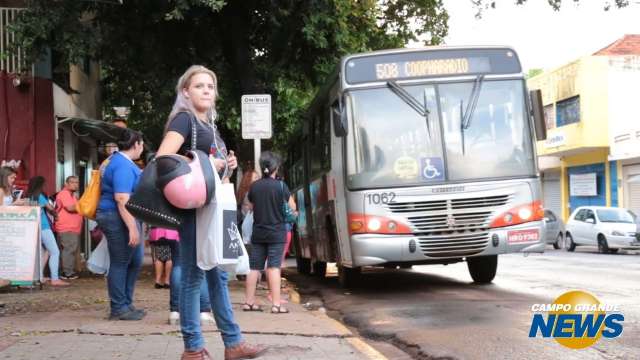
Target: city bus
{"points": [[418, 156]]}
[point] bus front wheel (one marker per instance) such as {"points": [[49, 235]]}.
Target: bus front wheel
{"points": [[348, 277], [483, 268]]}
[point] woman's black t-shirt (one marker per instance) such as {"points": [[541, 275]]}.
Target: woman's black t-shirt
{"points": [[182, 125], [208, 138], [267, 196]]}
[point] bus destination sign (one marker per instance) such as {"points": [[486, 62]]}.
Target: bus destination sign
{"points": [[430, 63], [408, 69]]}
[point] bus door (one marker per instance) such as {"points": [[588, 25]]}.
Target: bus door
{"points": [[336, 191]]}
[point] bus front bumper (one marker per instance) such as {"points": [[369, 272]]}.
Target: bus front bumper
{"points": [[376, 249]]}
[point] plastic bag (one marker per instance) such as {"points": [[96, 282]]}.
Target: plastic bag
{"points": [[247, 228], [218, 239], [99, 260], [242, 267]]}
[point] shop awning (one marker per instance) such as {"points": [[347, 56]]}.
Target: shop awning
{"points": [[99, 130], [96, 129]]}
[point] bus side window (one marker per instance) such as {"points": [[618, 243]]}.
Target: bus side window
{"points": [[325, 136]]}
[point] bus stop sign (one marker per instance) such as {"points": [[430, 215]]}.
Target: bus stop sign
{"points": [[256, 116]]}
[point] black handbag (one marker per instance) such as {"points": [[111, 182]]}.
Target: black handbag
{"points": [[148, 204]]}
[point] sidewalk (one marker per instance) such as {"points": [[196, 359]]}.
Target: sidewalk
{"points": [[70, 323]]}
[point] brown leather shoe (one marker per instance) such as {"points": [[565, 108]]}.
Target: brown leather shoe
{"points": [[196, 355], [244, 350]]}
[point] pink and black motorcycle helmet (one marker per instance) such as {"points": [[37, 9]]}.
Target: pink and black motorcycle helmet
{"points": [[186, 184]]}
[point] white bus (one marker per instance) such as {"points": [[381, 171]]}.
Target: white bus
{"points": [[419, 156]]}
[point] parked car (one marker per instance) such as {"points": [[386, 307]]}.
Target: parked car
{"points": [[554, 233], [608, 228]]}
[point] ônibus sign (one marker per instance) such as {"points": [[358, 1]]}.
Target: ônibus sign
{"points": [[256, 116]]}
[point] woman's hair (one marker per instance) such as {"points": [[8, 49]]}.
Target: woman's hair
{"points": [[34, 189], [5, 171], [269, 163], [245, 184], [128, 139], [183, 104]]}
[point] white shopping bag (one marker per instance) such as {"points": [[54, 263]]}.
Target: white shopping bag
{"points": [[247, 228], [99, 260], [242, 267], [218, 239]]}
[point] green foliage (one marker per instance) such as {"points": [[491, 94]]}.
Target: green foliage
{"points": [[285, 48], [534, 72]]}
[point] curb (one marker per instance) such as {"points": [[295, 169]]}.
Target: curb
{"points": [[355, 341]]}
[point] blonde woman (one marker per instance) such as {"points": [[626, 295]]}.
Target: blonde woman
{"points": [[196, 95]]}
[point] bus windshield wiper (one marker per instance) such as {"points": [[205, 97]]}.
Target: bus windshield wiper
{"points": [[465, 121], [412, 102]]}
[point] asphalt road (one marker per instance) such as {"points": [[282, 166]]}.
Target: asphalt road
{"points": [[437, 312]]}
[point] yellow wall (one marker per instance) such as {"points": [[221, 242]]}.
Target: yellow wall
{"points": [[588, 78], [88, 87]]}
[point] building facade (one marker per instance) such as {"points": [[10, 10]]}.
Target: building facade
{"points": [[27, 129], [590, 155]]}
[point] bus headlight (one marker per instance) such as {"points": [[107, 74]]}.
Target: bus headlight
{"points": [[519, 215], [525, 213], [374, 224], [391, 225]]}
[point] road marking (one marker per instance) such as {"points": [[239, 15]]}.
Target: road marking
{"points": [[361, 346], [366, 349]]}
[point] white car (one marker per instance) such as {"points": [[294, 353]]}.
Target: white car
{"points": [[608, 228]]}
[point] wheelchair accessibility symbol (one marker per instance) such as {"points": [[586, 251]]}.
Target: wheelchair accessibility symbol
{"points": [[432, 169]]}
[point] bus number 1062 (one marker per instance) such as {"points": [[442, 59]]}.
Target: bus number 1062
{"points": [[382, 198]]}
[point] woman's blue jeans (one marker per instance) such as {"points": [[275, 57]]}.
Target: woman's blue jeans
{"points": [[176, 274], [49, 242], [192, 278], [124, 261]]}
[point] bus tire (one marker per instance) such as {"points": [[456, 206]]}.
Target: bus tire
{"points": [[483, 268], [349, 277], [303, 265], [320, 268]]}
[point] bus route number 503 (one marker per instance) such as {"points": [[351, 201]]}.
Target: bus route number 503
{"points": [[382, 198]]}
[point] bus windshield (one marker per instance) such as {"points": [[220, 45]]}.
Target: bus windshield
{"points": [[392, 144]]}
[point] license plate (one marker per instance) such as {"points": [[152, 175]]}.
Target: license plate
{"points": [[522, 236]]}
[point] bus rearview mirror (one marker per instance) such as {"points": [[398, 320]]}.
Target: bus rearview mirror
{"points": [[538, 115], [340, 121]]}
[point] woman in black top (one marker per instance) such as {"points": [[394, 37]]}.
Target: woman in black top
{"points": [[268, 239], [196, 94]]}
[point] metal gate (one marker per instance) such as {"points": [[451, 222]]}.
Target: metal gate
{"points": [[552, 199]]}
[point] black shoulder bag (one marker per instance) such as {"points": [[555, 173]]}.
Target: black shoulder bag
{"points": [[148, 203]]}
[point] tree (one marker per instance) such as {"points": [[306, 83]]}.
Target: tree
{"points": [[534, 72], [282, 47]]}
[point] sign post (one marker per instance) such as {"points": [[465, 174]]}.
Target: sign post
{"points": [[256, 122]]}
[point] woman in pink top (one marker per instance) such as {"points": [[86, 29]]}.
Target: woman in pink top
{"points": [[159, 239]]}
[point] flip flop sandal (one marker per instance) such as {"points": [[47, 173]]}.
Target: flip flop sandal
{"points": [[251, 307], [278, 309]]}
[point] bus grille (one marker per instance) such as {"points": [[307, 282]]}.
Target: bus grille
{"points": [[452, 227]]}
